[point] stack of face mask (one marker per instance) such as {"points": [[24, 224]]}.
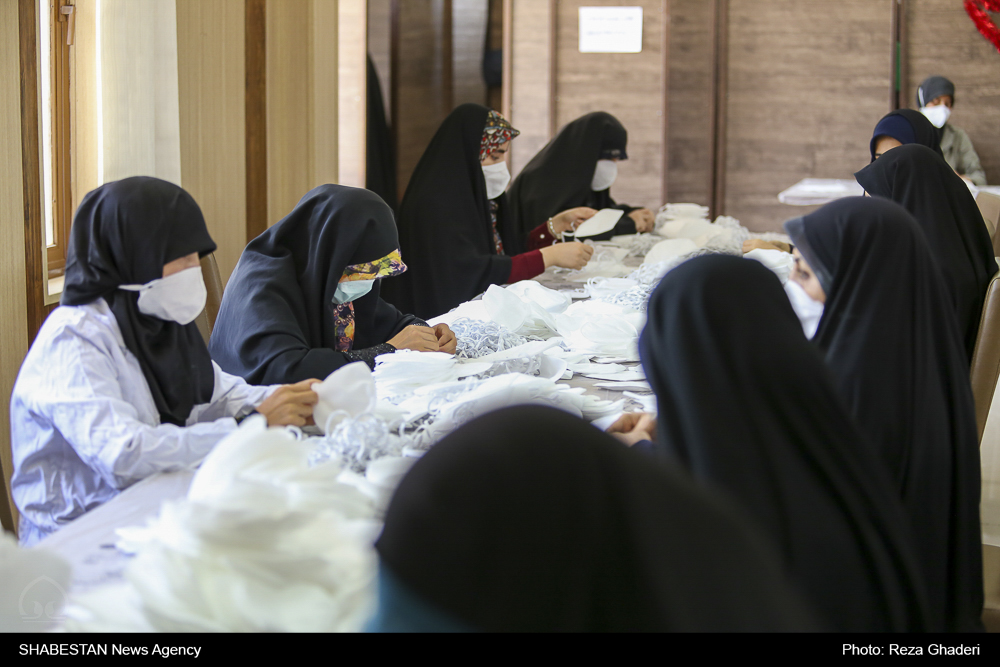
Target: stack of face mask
{"points": [[263, 542]]}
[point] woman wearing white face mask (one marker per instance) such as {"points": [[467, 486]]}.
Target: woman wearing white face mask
{"points": [[578, 168], [118, 384], [936, 97], [456, 230]]}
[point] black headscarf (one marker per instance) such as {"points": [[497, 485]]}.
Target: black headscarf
{"points": [[277, 319], [924, 184], [907, 127], [897, 359], [445, 228], [530, 520], [559, 177], [123, 234], [777, 438], [381, 158]]}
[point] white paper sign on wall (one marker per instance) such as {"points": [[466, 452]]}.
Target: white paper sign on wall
{"points": [[610, 29]]}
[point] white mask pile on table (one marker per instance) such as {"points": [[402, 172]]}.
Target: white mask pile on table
{"points": [[937, 115], [497, 179], [177, 298], [604, 175], [808, 310]]}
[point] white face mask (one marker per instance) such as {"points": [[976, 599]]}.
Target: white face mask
{"points": [[808, 310], [604, 175], [937, 115], [497, 178], [177, 298], [352, 291]]}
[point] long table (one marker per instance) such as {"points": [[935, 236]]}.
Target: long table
{"points": [[88, 544]]}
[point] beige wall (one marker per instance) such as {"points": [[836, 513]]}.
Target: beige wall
{"points": [[13, 318], [627, 85], [302, 100], [213, 119]]}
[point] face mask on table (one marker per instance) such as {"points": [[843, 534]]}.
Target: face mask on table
{"points": [[937, 115], [177, 298], [352, 291], [497, 178], [604, 175], [808, 310]]}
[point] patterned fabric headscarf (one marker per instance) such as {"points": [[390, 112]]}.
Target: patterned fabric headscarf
{"points": [[498, 131]]}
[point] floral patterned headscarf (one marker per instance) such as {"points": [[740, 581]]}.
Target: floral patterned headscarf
{"points": [[497, 132]]}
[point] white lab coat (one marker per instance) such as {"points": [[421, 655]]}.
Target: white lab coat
{"points": [[84, 425]]}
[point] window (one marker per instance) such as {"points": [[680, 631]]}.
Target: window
{"points": [[56, 35]]}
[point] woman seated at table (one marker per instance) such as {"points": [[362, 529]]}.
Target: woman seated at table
{"points": [[778, 439], [118, 384], [531, 520], [902, 127], [895, 350], [455, 228], [304, 299], [925, 185], [578, 168]]}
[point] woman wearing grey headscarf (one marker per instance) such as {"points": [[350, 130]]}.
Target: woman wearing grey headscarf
{"points": [[935, 98]]}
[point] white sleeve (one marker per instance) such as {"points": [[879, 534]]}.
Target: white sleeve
{"points": [[88, 401], [232, 397]]}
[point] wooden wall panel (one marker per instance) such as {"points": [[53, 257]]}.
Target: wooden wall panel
{"points": [[806, 87], [469, 39], [531, 80], [289, 114], [627, 85], [689, 138], [422, 80], [213, 119], [13, 312], [942, 40]]}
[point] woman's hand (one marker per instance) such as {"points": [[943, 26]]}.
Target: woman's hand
{"points": [[290, 405], [567, 255], [418, 339], [447, 342], [757, 244], [634, 427], [644, 219], [568, 221]]}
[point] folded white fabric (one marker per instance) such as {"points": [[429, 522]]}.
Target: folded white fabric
{"points": [[33, 587], [263, 542]]}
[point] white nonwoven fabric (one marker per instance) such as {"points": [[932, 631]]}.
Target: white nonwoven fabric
{"points": [[347, 392], [33, 587], [779, 262]]}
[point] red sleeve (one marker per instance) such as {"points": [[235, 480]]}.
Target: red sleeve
{"points": [[539, 237], [526, 266]]}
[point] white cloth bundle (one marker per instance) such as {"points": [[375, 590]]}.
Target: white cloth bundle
{"points": [[262, 543]]}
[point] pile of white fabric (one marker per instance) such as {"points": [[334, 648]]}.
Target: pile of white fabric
{"points": [[33, 585], [263, 542]]}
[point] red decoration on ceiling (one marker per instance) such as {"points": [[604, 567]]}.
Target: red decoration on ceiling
{"points": [[984, 22]]}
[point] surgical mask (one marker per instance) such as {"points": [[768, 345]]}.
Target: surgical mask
{"points": [[937, 115], [177, 298], [808, 310], [497, 178], [352, 291], [604, 175]]}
